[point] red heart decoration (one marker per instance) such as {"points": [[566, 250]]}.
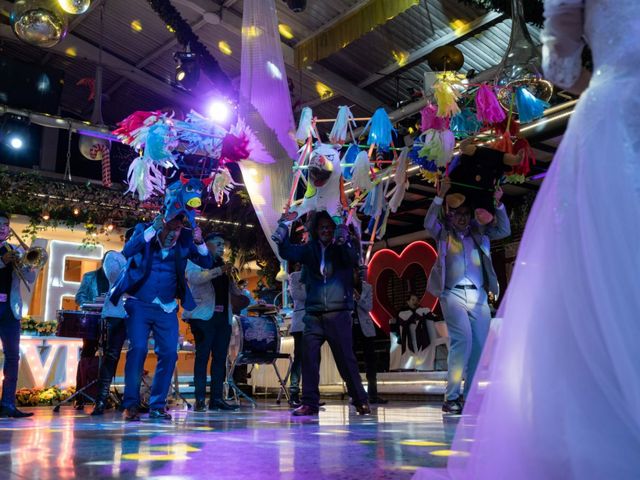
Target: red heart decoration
{"points": [[417, 253]]}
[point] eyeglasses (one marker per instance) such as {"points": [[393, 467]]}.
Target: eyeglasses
{"points": [[463, 213]]}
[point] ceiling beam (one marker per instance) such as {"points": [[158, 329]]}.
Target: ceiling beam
{"points": [[334, 21], [157, 52], [89, 51], [232, 22], [457, 36]]}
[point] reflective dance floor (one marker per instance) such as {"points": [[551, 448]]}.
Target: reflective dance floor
{"points": [[261, 443]]}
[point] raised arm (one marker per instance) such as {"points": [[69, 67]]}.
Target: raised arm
{"points": [[197, 275], [562, 44], [501, 228]]}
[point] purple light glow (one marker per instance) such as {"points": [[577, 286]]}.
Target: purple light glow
{"points": [[218, 111]]}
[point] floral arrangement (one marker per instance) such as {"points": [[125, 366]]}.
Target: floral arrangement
{"points": [[31, 397], [41, 327]]}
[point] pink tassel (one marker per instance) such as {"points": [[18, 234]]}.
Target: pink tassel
{"points": [[430, 119], [487, 106]]}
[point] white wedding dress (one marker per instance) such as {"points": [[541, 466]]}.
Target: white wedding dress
{"points": [[558, 393]]}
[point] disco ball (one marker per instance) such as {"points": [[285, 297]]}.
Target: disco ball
{"points": [[75, 7], [38, 23]]}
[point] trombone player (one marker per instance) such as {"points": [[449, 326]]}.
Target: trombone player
{"points": [[12, 271]]}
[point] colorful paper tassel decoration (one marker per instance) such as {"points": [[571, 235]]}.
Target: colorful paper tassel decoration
{"points": [[488, 109], [465, 124], [401, 181], [529, 107], [360, 177], [344, 122], [446, 98], [348, 160], [438, 146], [144, 178], [305, 126], [380, 129], [431, 120]]}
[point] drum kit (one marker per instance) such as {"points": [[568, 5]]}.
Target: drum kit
{"points": [[86, 324], [255, 339]]}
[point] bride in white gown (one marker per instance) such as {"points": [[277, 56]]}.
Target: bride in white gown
{"points": [[559, 394]]}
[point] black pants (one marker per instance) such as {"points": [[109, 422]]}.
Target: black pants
{"points": [[212, 340], [369, 353], [296, 366], [335, 328], [10, 337], [116, 335]]}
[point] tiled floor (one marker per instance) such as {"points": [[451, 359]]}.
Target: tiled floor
{"points": [[261, 443]]}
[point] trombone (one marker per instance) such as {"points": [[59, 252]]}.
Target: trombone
{"points": [[32, 258]]}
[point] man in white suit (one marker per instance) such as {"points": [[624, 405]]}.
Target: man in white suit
{"points": [[210, 323]]}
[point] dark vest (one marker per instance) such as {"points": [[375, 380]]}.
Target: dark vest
{"points": [[162, 280], [221, 287], [6, 274]]}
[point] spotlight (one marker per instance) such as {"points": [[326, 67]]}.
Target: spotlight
{"points": [[218, 111], [187, 68], [297, 5], [16, 143]]}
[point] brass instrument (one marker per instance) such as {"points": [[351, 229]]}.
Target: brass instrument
{"points": [[32, 258]]}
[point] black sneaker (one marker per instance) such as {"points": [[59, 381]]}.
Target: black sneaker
{"points": [[220, 404], [452, 406], [200, 406], [159, 414]]}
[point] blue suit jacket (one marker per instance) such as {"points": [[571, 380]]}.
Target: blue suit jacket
{"points": [[139, 259]]}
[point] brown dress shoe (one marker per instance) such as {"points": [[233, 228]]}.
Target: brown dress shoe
{"points": [[131, 414], [305, 411]]}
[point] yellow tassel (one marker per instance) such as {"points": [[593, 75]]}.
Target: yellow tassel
{"points": [[446, 98]]}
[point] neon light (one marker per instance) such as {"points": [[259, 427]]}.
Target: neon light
{"points": [[420, 253], [57, 287]]}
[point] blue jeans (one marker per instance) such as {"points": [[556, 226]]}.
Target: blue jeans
{"points": [[144, 318], [467, 315], [10, 337]]}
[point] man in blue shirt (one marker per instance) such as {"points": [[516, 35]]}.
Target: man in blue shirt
{"points": [[154, 279]]}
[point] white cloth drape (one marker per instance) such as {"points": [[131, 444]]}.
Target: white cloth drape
{"points": [[265, 105]]}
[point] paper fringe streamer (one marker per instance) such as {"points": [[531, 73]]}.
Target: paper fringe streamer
{"points": [[465, 124], [438, 146], [222, 185], [344, 121], [144, 178], [431, 120], [360, 178], [488, 109], [348, 159], [446, 98], [529, 107], [305, 126], [401, 181], [380, 129]]}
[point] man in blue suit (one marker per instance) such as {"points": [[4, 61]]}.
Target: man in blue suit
{"points": [[154, 279]]}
